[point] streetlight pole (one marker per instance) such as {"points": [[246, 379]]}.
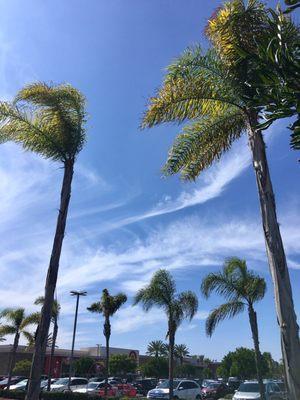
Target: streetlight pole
{"points": [[77, 294]]}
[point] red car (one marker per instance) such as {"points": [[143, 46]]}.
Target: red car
{"points": [[126, 389], [214, 391]]}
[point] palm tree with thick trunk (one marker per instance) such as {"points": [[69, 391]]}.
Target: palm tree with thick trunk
{"points": [[161, 292], [48, 120], [15, 324], [55, 316], [181, 351], [241, 288], [107, 306], [157, 348], [212, 90]]}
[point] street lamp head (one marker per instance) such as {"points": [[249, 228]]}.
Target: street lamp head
{"points": [[78, 293]]}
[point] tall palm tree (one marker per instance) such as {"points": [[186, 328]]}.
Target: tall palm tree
{"points": [[16, 323], [107, 306], [55, 316], [181, 351], [161, 292], [157, 348], [241, 288], [48, 120], [213, 91]]}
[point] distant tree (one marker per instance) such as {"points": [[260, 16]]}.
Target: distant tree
{"points": [[157, 348], [222, 372], [16, 324], [22, 368], [185, 371], [181, 351], [83, 366], [207, 373], [121, 364], [157, 367], [161, 292], [107, 306]]}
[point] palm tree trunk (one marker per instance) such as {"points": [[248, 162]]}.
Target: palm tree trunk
{"points": [[287, 320], [171, 360], [107, 331], [12, 358], [43, 328], [254, 330], [55, 329]]}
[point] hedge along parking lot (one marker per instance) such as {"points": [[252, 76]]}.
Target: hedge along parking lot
{"points": [[20, 395]]}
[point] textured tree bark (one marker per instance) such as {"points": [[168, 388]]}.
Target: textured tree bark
{"points": [[55, 329], [12, 358], [43, 328], [254, 330], [287, 320], [107, 332], [171, 360]]}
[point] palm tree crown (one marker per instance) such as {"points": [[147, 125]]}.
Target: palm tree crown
{"points": [[47, 120], [161, 292], [181, 351], [16, 322], [55, 307], [108, 305], [240, 287], [157, 348]]}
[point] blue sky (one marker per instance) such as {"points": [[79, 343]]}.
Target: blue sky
{"points": [[126, 221]]}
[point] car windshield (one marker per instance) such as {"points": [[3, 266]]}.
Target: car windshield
{"points": [[62, 381], [249, 387], [165, 384], [23, 382], [213, 385], [93, 385]]}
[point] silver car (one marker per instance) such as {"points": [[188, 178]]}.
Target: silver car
{"points": [[249, 390]]}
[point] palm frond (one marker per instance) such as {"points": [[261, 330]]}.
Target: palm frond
{"points": [[189, 303], [14, 315], [195, 85], [227, 310], [7, 330], [95, 308], [220, 283], [31, 319], [204, 142]]}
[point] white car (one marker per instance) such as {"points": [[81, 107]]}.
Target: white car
{"points": [[183, 389], [249, 390], [61, 385], [22, 385]]}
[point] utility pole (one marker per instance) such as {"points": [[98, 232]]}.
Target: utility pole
{"points": [[77, 294]]}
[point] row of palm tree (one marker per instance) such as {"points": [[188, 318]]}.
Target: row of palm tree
{"points": [[17, 322], [216, 93], [158, 348]]}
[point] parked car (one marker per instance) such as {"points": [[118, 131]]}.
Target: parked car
{"points": [[207, 382], [98, 388], [14, 380], [282, 387], [233, 383], [127, 390], [22, 385], [144, 385], [96, 379], [250, 390], [214, 390], [183, 389], [61, 385]]}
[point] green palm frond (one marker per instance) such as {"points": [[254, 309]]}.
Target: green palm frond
{"points": [[31, 319], [7, 330], [181, 350], [227, 310], [14, 316], [46, 119], [221, 283], [204, 142], [55, 306], [109, 304], [192, 87], [95, 308], [189, 303]]}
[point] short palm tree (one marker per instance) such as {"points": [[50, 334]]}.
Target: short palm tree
{"points": [[241, 288], [107, 306], [161, 292], [213, 92], [181, 351], [157, 348], [48, 120], [55, 316], [16, 323]]}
